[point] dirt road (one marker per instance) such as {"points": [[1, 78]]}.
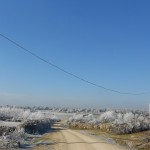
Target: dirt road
{"points": [[67, 139]]}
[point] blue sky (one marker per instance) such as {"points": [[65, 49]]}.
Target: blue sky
{"points": [[106, 42]]}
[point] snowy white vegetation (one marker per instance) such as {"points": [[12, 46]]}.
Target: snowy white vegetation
{"points": [[108, 116], [120, 123], [12, 140], [16, 122], [20, 114]]}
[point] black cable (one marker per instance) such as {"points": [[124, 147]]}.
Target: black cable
{"points": [[67, 72]]}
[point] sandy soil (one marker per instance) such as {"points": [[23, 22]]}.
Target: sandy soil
{"points": [[66, 139]]}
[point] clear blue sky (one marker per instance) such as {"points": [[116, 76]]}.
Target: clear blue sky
{"points": [[106, 42]]}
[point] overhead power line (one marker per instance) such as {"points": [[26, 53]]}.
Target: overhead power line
{"points": [[67, 72]]}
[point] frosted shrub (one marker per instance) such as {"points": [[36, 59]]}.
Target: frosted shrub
{"points": [[141, 118], [94, 121], [119, 119], [26, 114], [76, 118], [36, 126], [19, 114], [13, 140], [55, 118], [130, 123], [88, 118], [124, 118], [91, 119], [82, 118], [36, 116], [119, 122], [128, 117], [108, 116], [10, 112]]}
